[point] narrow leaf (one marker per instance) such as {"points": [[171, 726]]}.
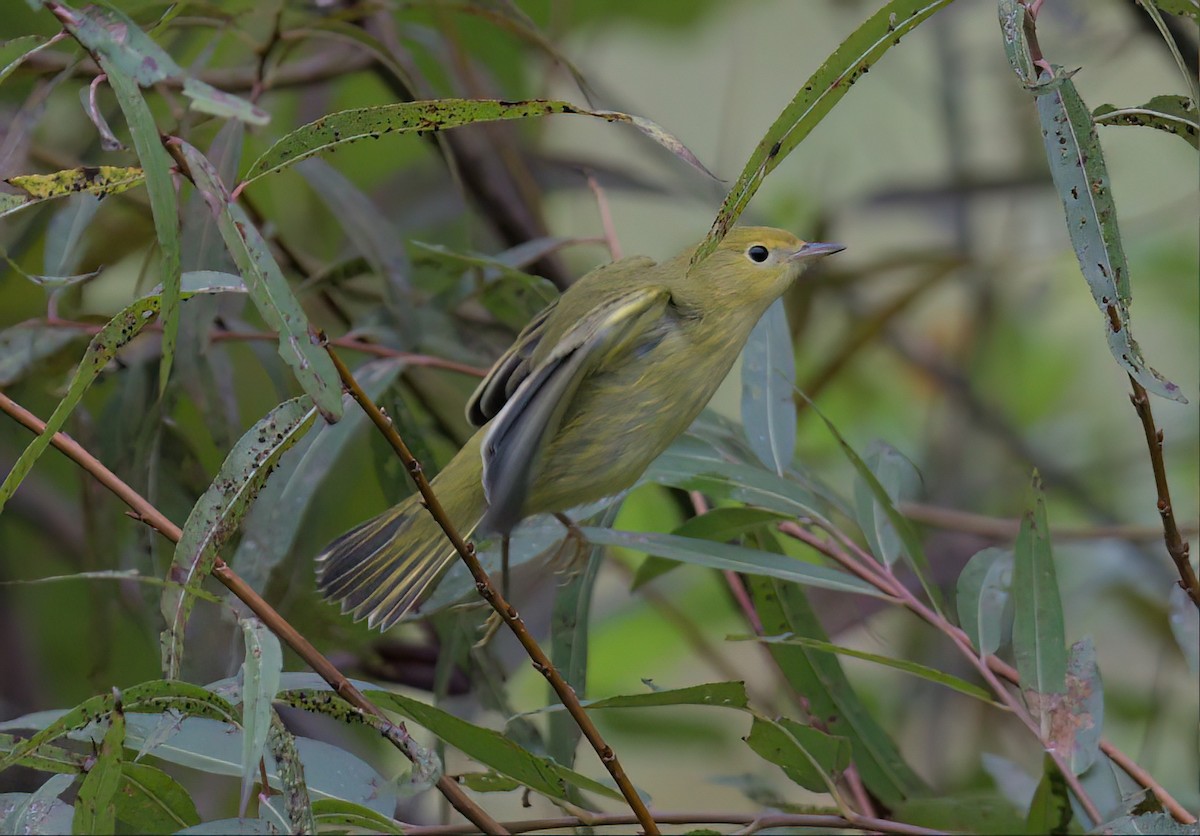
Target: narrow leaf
{"points": [[1185, 624], [720, 694], [116, 333], [570, 622], [921, 671], [719, 525], [151, 801], [164, 204], [1050, 812], [269, 289], [733, 558], [1081, 178], [217, 514], [911, 549], [260, 683], [768, 375], [1173, 114], [825, 88], [95, 808], [985, 607], [26, 344], [783, 608], [13, 53], [98, 180], [420, 117], [40, 811], [337, 815], [1039, 640], [900, 481], [123, 47], [491, 748], [808, 756]]}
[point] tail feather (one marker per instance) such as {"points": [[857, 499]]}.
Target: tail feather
{"points": [[381, 569]]}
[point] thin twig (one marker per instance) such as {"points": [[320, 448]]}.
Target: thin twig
{"points": [[349, 343], [151, 516], [1141, 776], [758, 820], [1006, 528], [892, 586], [606, 221], [1177, 547], [488, 591]]}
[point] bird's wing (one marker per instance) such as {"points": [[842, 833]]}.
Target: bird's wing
{"points": [[506, 374], [516, 364], [535, 409]]}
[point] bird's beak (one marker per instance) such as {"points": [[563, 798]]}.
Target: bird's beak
{"points": [[809, 251]]}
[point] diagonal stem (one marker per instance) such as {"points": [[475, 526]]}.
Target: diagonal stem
{"points": [[144, 511], [488, 591]]}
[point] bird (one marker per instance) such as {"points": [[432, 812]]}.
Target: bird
{"points": [[592, 390]]}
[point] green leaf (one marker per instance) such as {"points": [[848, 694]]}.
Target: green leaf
{"points": [[232, 827], [269, 289], [335, 814], [95, 808], [1151, 824], [921, 671], [49, 758], [1050, 812], [1188, 72], [1187, 8], [720, 694], [768, 376], [13, 53], [215, 747], [38, 812], [487, 782], [910, 544], [985, 606], [1173, 114], [345, 126], [1185, 624], [1039, 635], [825, 88], [806, 755], [1081, 178], [164, 205], [101, 180], [371, 232], [1077, 717], [151, 801], [719, 525], [733, 558], [296, 801], [783, 608], [491, 748], [569, 625], [64, 233], [970, 812], [124, 48], [104, 345], [215, 517], [260, 682], [682, 467], [270, 530], [900, 480]]}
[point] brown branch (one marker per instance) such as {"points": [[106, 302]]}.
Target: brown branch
{"points": [[1006, 528], [151, 516], [1177, 547], [488, 591], [757, 821], [326, 65], [350, 343], [1141, 776], [865, 567]]}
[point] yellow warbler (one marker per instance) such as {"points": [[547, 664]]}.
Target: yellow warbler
{"points": [[595, 387]]}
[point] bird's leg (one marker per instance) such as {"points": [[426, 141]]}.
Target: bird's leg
{"points": [[571, 549]]}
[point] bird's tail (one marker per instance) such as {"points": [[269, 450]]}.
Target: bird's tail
{"points": [[383, 567]]}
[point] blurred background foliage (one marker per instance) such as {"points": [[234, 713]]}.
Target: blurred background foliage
{"points": [[955, 328]]}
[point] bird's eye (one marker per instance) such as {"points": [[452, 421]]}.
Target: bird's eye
{"points": [[758, 253]]}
